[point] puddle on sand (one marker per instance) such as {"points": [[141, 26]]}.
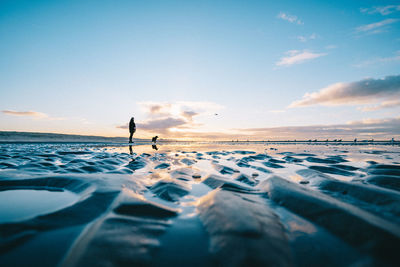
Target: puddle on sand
{"points": [[21, 204]]}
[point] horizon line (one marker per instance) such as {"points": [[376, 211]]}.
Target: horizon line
{"points": [[313, 140]]}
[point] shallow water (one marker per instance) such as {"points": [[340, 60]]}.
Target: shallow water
{"points": [[22, 204], [221, 204]]}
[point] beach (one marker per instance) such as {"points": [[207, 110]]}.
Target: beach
{"points": [[199, 204]]}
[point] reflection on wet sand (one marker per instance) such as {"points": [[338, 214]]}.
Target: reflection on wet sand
{"points": [[142, 204]]}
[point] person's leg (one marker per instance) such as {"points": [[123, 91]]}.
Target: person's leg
{"points": [[130, 138], [130, 150]]}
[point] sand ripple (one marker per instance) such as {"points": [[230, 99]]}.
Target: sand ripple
{"points": [[211, 205]]}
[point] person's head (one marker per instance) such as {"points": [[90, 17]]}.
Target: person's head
{"points": [[132, 119]]}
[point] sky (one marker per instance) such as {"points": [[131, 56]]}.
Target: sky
{"points": [[202, 70]]}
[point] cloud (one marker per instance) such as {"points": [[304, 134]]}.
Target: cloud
{"points": [[383, 10], [368, 128], [168, 118], [189, 114], [162, 109], [376, 27], [290, 18], [307, 38], [34, 114], [379, 60], [354, 93], [156, 109], [384, 104], [184, 122], [297, 57], [162, 125]]}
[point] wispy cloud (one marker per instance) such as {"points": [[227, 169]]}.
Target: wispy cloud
{"points": [[353, 93], [290, 18], [33, 114], [304, 39], [383, 10], [379, 60], [296, 57], [374, 28], [384, 104]]}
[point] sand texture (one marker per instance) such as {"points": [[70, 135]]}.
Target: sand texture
{"points": [[199, 204]]}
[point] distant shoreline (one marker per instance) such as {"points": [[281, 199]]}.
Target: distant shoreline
{"points": [[13, 136], [36, 137]]}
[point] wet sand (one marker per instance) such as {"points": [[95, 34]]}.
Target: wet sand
{"points": [[199, 204]]}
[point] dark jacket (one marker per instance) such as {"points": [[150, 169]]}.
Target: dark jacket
{"points": [[132, 126]]}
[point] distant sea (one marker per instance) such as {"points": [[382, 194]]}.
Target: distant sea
{"points": [[10, 136]]}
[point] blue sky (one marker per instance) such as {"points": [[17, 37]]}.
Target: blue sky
{"points": [[86, 67]]}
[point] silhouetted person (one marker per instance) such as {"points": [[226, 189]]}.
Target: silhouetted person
{"points": [[154, 139], [132, 129]]}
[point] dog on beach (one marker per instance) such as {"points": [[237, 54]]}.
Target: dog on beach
{"points": [[154, 139]]}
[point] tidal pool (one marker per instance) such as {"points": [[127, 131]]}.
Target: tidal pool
{"points": [[21, 204]]}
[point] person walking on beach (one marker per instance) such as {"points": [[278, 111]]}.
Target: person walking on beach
{"points": [[132, 129]]}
